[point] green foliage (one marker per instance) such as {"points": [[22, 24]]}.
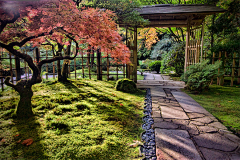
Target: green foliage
{"points": [[123, 8], [198, 77], [125, 85], [155, 66], [161, 48], [143, 66]]}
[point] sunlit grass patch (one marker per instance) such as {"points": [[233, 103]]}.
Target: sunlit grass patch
{"points": [[82, 119]]}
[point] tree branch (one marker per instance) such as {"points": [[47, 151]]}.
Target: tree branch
{"points": [[4, 23], [20, 44], [8, 83]]}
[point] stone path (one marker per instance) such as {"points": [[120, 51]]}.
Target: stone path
{"points": [[184, 130]]}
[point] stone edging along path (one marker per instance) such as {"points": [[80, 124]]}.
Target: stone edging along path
{"points": [[184, 130]]}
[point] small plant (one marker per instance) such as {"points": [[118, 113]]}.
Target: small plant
{"points": [[198, 77], [155, 66], [125, 85]]}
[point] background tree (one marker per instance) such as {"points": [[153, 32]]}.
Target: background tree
{"points": [[31, 21]]}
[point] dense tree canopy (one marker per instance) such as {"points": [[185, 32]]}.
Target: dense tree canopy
{"points": [[58, 20]]}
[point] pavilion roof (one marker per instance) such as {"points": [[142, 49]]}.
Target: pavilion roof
{"points": [[169, 15]]}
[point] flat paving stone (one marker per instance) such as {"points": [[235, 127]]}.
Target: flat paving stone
{"points": [[218, 125], [156, 113], [157, 92], [213, 155], [207, 129], [195, 115], [187, 103], [233, 138], [191, 129], [173, 112], [197, 123], [215, 141], [235, 156], [205, 120], [165, 125], [156, 120], [180, 122], [175, 145]]}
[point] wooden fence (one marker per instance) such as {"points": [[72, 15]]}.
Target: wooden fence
{"points": [[83, 66], [230, 66]]}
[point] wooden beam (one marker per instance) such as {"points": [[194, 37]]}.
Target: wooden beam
{"points": [[135, 56]]}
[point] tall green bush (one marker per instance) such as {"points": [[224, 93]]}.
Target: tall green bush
{"points": [[198, 77], [155, 66]]}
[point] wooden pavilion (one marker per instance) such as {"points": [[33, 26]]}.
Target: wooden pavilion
{"points": [[167, 15]]}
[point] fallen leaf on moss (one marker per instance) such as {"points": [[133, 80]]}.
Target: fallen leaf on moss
{"points": [[27, 142]]}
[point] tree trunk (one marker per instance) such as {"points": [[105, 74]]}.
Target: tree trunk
{"points": [[24, 108], [65, 65]]}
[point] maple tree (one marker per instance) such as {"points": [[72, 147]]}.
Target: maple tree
{"points": [[58, 20]]}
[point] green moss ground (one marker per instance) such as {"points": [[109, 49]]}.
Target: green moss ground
{"points": [[84, 119], [224, 103]]}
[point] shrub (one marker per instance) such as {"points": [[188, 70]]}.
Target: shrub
{"points": [[143, 66], [198, 77], [155, 66], [126, 85]]}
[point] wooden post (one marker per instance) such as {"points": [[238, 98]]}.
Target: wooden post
{"points": [[82, 67], [99, 75], [53, 70], [134, 56], [224, 65], [124, 70], [219, 78], [46, 66], [17, 67], [117, 71], [11, 72], [1, 70], [212, 63], [239, 69], [107, 68], [202, 40], [25, 67], [187, 45], [88, 61], [69, 69], [233, 68], [75, 68]]}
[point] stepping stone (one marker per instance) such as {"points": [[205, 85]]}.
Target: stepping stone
{"points": [[175, 145], [205, 120], [207, 129], [215, 141], [173, 112], [157, 92], [217, 125], [212, 154], [195, 115], [165, 125]]}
